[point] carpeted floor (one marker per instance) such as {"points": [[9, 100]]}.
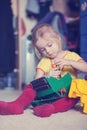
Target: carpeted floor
{"points": [[70, 120]]}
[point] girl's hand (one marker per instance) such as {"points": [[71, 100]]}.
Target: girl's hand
{"points": [[55, 72], [62, 62]]}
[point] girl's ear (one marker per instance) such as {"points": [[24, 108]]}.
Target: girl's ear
{"points": [[37, 53]]}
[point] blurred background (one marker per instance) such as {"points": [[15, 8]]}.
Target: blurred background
{"points": [[19, 17]]}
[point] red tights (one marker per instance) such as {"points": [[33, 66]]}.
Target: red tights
{"points": [[25, 99]]}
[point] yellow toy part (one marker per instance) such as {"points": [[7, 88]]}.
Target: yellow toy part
{"points": [[78, 88]]}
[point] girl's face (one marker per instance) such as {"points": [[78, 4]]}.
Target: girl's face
{"points": [[49, 46]]}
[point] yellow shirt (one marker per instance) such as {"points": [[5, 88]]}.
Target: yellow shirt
{"points": [[46, 64]]}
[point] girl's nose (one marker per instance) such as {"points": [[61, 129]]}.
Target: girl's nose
{"points": [[47, 50]]}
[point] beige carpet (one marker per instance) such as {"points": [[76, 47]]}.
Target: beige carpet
{"points": [[70, 120]]}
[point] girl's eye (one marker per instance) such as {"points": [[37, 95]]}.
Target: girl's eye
{"points": [[42, 49], [50, 44]]}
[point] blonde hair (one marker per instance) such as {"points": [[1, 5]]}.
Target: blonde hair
{"points": [[40, 31]]}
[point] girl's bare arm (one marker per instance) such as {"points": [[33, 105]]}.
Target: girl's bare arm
{"points": [[78, 65]]}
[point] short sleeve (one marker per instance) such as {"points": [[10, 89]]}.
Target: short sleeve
{"points": [[73, 56], [44, 65]]}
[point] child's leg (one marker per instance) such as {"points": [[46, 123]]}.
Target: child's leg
{"points": [[64, 104], [61, 105], [44, 110], [18, 106]]}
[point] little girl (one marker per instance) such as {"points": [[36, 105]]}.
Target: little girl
{"points": [[55, 62]]}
